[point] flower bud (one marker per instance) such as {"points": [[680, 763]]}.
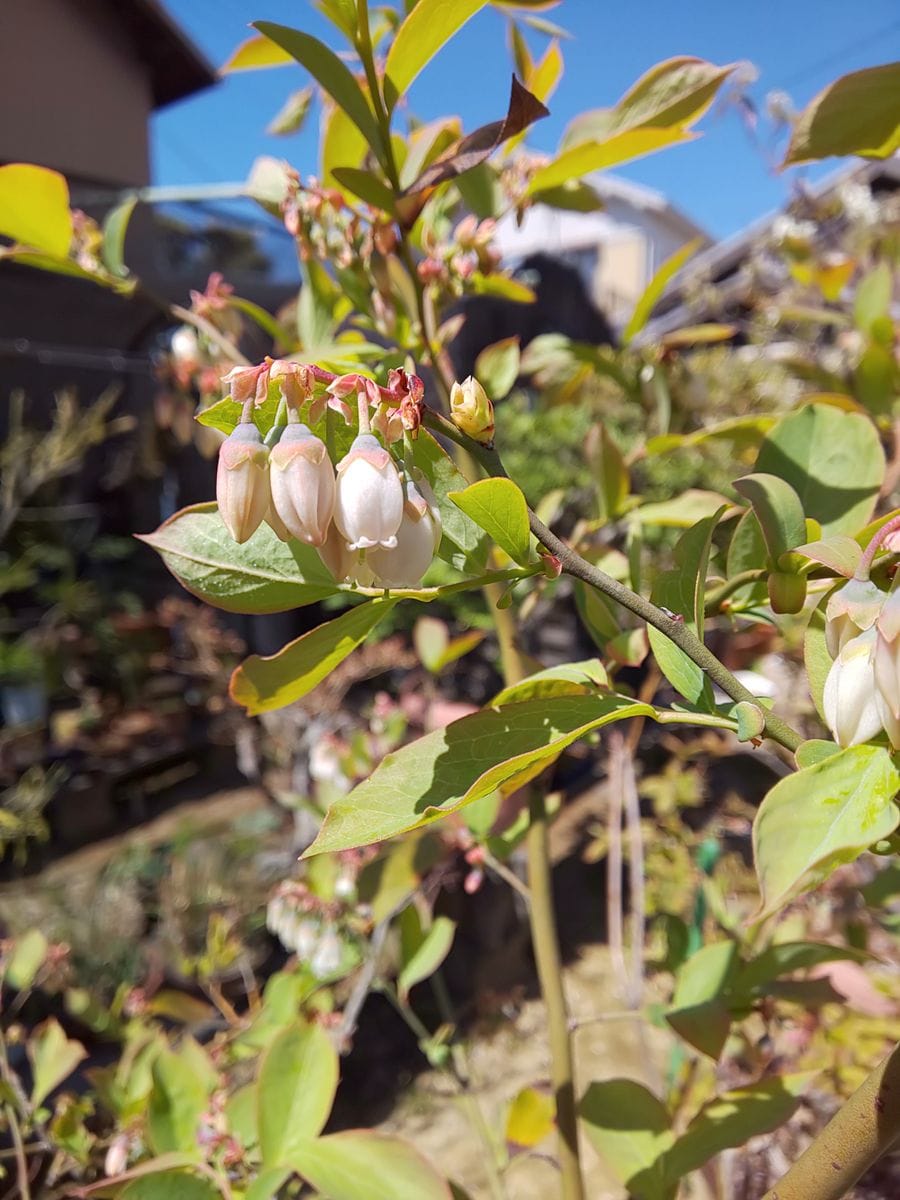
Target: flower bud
{"points": [[185, 348], [472, 411], [347, 566], [302, 482], [326, 958], [242, 481], [852, 703], [278, 526], [369, 496], [850, 611], [418, 538], [787, 591]]}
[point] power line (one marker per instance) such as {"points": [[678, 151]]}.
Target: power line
{"points": [[837, 57]]}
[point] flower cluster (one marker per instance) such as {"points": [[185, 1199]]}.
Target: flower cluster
{"points": [[310, 926], [369, 518], [862, 690]]}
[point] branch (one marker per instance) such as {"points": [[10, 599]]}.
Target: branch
{"points": [[858, 1135], [579, 568]]}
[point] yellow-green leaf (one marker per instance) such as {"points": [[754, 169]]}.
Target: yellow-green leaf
{"points": [[255, 53], [53, 1058], [530, 1118], [297, 1082], [428, 27], [595, 155], [362, 1165], [656, 287], [34, 208], [857, 114], [499, 508], [263, 684]]}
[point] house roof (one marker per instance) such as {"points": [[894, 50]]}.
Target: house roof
{"points": [[557, 231], [177, 68], [723, 261]]}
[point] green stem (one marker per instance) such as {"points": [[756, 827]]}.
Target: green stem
{"points": [[714, 598], [579, 568], [863, 1130], [427, 594]]}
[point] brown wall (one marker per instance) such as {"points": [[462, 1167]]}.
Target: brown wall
{"points": [[73, 96]]}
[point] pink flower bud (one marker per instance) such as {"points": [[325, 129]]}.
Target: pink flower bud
{"points": [[472, 411], [852, 704], [302, 482], [278, 526], [418, 538], [369, 496], [242, 482]]}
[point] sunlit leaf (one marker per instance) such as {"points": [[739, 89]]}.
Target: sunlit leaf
{"points": [[857, 114], [497, 367], [34, 208], [27, 958], [263, 684], [778, 510], [499, 508], [463, 542], [362, 1165], [170, 1185], [783, 958], [177, 1101], [254, 54], [590, 156], [262, 575], [699, 1012], [53, 1058], [427, 955], [115, 226], [820, 818], [567, 679], [656, 287], [468, 759], [530, 1118], [430, 25], [631, 1130]]}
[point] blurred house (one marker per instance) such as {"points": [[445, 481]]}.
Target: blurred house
{"points": [[79, 83], [616, 250], [726, 281]]}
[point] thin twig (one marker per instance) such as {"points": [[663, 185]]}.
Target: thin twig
{"points": [[615, 921]]}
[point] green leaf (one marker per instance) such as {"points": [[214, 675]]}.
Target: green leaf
{"points": [[427, 956], [29, 952], [778, 510], [170, 1185], [815, 750], [332, 74], [786, 957], [610, 474], [177, 1101], [34, 208], [699, 1011], [499, 508], [342, 145], [682, 511], [342, 14], [857, 114], [832, 459], [436, 649], [268, 1184], [463, 543], [362, 1165], [816, 657], [297, 1082], [366, 186], [430, 25], [751, 721], [263, 575], [839, 552], [655, 288], [591, 156], [497, 367], [682, 591], [573, 196], [567, 679], [873, 297], [53, 1058], [631, 1130], [732, 1119], [292, 115], [115, 226], [263, 684], [820, 818], [468, 759], [256, 53]]}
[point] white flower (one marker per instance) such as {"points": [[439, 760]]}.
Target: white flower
{"points": [[850, 611], [347, 566], [302, 482], [369, 496], [185, 348], [887, 664], [852, 703], [242, 481], [418, 538], [327, 956]]}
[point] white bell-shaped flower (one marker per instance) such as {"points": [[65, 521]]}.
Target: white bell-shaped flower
{"points": [[418, 538], [369, 496], [887, 661], [851, 610], [851, 700], [302, 480], [347, 566], [242, 481], [326, 958]]}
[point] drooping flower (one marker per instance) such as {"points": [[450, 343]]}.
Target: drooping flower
{"points": [[242, 481], [472, 411], [347, 566], [302, 482], [852, 702], [369, 496], [418, 538], [887, 662], [850, 611], [327, 955]]}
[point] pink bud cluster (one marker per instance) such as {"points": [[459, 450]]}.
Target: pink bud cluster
{"points": [[368, 519], [862, 691], [450, 264]]}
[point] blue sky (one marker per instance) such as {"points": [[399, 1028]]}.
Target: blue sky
{"points": [[722, 180]]}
